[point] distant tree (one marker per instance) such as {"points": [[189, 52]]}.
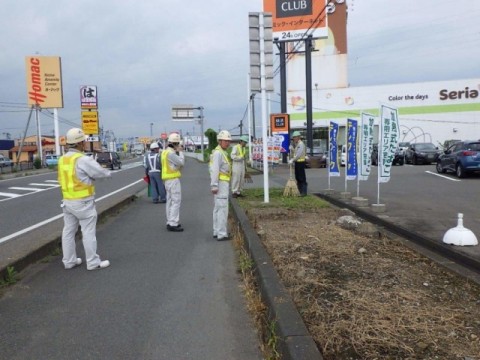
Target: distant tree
{"points": [[212, 143], [212, 139]]}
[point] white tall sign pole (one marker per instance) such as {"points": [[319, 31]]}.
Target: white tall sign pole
{"points": [[57, 134], [264, 109]]}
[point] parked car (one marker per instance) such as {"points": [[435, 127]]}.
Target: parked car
{"points": [[51, 160], [343, 155], [404, 145], [461, 158], [318, 160], [5, 161], [109, 159], [398, 159], [421, 153]]}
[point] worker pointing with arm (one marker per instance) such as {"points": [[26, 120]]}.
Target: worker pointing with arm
{"points": [[76, 175]]}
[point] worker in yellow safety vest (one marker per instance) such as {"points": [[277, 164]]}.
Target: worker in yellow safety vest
{"points": [[297, 157], [220, 175], [173, 160], [238, 167], [76, 173]]}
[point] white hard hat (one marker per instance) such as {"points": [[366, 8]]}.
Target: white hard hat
{"points": [[224, 135], [174, 138], [75, 135], [154, 145]]}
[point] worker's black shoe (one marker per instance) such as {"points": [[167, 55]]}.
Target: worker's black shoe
{"points": [[225, 238], [177, 228]]}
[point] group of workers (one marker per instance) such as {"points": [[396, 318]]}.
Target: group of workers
{"points": [[77, 173]]}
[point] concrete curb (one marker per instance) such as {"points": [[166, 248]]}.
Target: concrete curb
{"points": [[55, 239], [296, 342]]}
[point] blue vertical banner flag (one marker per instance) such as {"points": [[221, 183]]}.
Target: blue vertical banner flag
{"points": [[366, 146], [352, 169], [333, 169], [389, 137]]}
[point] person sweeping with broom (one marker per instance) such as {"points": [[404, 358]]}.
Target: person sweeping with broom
{"points": [[299, 152]]}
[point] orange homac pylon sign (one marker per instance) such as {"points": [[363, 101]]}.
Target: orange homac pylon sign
{"points": [[44, 81]]}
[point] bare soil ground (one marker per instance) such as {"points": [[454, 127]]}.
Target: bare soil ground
{"points": [[362, 295]]}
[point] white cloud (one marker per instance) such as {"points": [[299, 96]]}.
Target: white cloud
{"points": [[145, 56]]}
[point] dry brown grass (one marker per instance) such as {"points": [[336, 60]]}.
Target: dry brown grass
{"points": [[368, 297]]}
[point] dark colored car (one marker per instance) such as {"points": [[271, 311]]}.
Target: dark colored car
{"points": [[109, 159], [399, 158], [318, 160], [461, 158], [421, 153]]}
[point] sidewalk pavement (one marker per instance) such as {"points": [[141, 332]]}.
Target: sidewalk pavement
{"points": [[166, 295]]}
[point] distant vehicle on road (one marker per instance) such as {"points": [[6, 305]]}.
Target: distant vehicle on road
{"points": [[421, 153], [109, 159], [5, 161], [461, 158]]}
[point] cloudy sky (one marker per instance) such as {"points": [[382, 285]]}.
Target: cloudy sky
{"points": [[145, 56]]}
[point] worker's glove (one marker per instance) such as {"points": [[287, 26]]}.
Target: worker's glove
{"points": [[290, 162]]}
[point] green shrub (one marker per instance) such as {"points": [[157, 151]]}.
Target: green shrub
{"points": [[37, 163]]}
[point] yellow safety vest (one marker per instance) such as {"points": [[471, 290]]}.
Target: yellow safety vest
{"points": [[167, 172], [302, 157], [241, 151], [72, 187], [223, 176]]}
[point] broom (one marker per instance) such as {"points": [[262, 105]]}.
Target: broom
{"points": [[291, 188], [247, 178]]}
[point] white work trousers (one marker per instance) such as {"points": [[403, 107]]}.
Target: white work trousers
{"points": [[174, 200], [81, 212], [220, 210], [238, 176]]}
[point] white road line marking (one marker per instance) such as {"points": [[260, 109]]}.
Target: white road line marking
{"points": [[25, 188], [52, 181], [47, 185], [10, 195], [44, 222], [443, 176]]}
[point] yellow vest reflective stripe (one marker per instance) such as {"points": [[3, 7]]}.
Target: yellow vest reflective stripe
{"points": [[223, 176], [167, 172], [302, 157], [72, 187]]}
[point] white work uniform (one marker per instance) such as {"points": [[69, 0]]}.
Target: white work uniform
{"points": [[219, 164], [238, 168], [173, 188], [82, 212]]}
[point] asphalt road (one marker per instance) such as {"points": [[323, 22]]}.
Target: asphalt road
{"points": [[165, 296], [26, 201]]}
